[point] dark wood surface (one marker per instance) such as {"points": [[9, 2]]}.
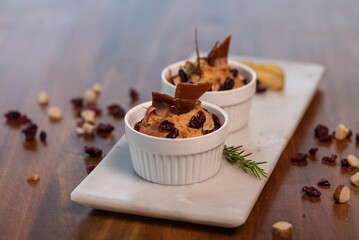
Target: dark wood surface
{"points": [[64, 47]]}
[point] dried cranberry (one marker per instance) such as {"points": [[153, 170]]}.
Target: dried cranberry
{"points": [[325, 138], [137, 126], [228, 84], [216, 121], [260, 88], [93, 151], [357, 137], [167, 126], [183, 76], [299, 157], [13, 115], [90, 167], [77, 102], [201, 117], [323, 182], [234, 72], [30, 132], [311, 191], [134, 95], [313, 151], [104, 128], [116, 111], [321, 130], [193, 122], [344, 162], [43, 136], [173, 134], [25, 120], [329, 159], [198, 120], [322, 133], [209, 131], [245, 81]]}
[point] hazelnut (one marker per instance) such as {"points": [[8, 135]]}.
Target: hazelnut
{"points": [[88, 128], [34, 178], [43, 98], [341, 194], [355, 179], [54, 113], [353, 161], [90, 96], [282, 229], [97, 88], [88, 115], [341, 132]]}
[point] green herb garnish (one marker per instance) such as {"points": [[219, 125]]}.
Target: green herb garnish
{"points": [[235, 155]]}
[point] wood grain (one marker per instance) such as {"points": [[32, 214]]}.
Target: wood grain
{"points": [[64, 47]]}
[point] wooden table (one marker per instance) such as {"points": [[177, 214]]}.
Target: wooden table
{"points": [[64, 47]]}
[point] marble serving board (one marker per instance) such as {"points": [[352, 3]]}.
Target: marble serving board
{"points": [[226, 199]]}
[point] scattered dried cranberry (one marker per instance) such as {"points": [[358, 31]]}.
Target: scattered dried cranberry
{"points": [[299, 157], [116, 111], [173, 134], [322, 133], [311, 191], [43, 136], [134, 95], [183, 76], [90, 168], [234, 72], [13, 115], [344, 162], [323, 182], [77, 102], [329, 159], [25, 120], [260, 88], [30, 132], [357, 137], [104, 128], [313, 151], [93, 151], [320, 130], [216, 121], [167, 126], [228, 84]]}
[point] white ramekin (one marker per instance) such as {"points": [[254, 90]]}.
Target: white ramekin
{"points": [[236, 102], [175, 161]]}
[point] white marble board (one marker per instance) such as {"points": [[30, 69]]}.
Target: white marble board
{"points": [[226, 199]]}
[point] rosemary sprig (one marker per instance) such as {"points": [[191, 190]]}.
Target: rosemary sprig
{"points": [[235, 155]]}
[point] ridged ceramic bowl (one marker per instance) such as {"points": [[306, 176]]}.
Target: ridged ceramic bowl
{"points": [[175, 161], [236, 102]]}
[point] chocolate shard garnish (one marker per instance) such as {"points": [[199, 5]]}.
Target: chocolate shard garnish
{"points": [[191, 91], [220, 53], [182, 105], [161, 97]]}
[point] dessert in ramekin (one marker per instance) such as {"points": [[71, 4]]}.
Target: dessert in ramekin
{"points": [[175, 161], [233, 83]]}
